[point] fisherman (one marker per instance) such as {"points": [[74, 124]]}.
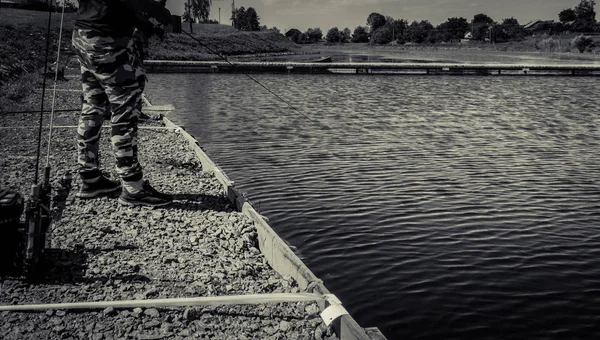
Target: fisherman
{"points": [[113, 79]]}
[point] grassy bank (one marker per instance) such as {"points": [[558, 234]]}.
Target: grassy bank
{"points": [[23, 41], [182, 47]]}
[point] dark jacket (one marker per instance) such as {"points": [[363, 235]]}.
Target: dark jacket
{"points": [[117, 18]]}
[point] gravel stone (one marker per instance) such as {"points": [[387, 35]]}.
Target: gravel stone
{"points": [[284, 326], [152, 324], [109, 311], [312, 309], [138, 312]]}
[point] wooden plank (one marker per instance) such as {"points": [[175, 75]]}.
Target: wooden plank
{"points": [[374, 333], [347, 329], [284, 260], [159, 108]]}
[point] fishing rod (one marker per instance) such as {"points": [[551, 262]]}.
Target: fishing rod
{"points": [[27, 256]]}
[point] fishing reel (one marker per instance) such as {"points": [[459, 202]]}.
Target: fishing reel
{"points": [[25, 243]]}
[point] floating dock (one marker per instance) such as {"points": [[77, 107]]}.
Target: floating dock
{"points": [[172, 66]]}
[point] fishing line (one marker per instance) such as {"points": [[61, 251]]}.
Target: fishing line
{"points": [[55, 81], [249, 76], [39, 141], [36, 111]]}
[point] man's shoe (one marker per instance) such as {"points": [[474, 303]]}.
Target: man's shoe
{"points": [[148, 196], [103, 186]]}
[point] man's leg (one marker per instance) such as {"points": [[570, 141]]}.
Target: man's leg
{"points": [[90, 126], [124, 84], [93, 108]]}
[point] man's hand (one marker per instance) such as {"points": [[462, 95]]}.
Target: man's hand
{"points": [[153, 8], [163, 15], [159, 32]]}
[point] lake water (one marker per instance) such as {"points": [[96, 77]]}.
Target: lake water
{"points": [[433, 207]]}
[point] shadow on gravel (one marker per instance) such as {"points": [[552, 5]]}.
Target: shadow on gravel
{"points": [[196, 202], [271, 315], [128, 278], [65, 265], [96, 251]]}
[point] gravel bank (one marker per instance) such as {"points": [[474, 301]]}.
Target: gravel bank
{"points": [[101, 251]]}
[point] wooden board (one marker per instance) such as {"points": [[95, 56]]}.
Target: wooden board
{"points": [[158, 108]]}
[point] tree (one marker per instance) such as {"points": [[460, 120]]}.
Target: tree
{"points": [[345, 35], [508, 30], [375, 20], [251, 22], [200, 9], [418, 32], [239, 18], [396, 28], [186, 17], [303, 39], [583, 43], [567, 15], [360, 35], [70, 7], [453, 29], [585, 11], [333, 35], [481, 25], [246, 19], [482, 19], [314, 34], [383, 35]]}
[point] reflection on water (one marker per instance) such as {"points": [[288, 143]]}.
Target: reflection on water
{"points": [[433, 207]]}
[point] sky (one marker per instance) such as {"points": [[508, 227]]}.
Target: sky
{"points": [[286, 14]]}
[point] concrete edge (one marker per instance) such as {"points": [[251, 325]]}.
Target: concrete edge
{"points": [[278, 254]]}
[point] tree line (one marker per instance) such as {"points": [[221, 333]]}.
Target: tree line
{"points": [[382, 29], [241, 18]]}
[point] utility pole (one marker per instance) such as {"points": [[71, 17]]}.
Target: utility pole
{"points": [[219, 15], [233, 13], [190, 15]]}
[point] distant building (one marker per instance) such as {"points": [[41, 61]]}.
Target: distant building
{"points": [[538, 26], [467, 38]]}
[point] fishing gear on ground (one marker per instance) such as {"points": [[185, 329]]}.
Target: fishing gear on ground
{"points": [[24, 238]]}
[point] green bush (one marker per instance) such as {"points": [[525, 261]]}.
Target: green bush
{"points": [[583, 43], [552, 45], [383, 35], [546, 45]]}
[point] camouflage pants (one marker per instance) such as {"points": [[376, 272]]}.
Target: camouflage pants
{"points": [[112, 80]]}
